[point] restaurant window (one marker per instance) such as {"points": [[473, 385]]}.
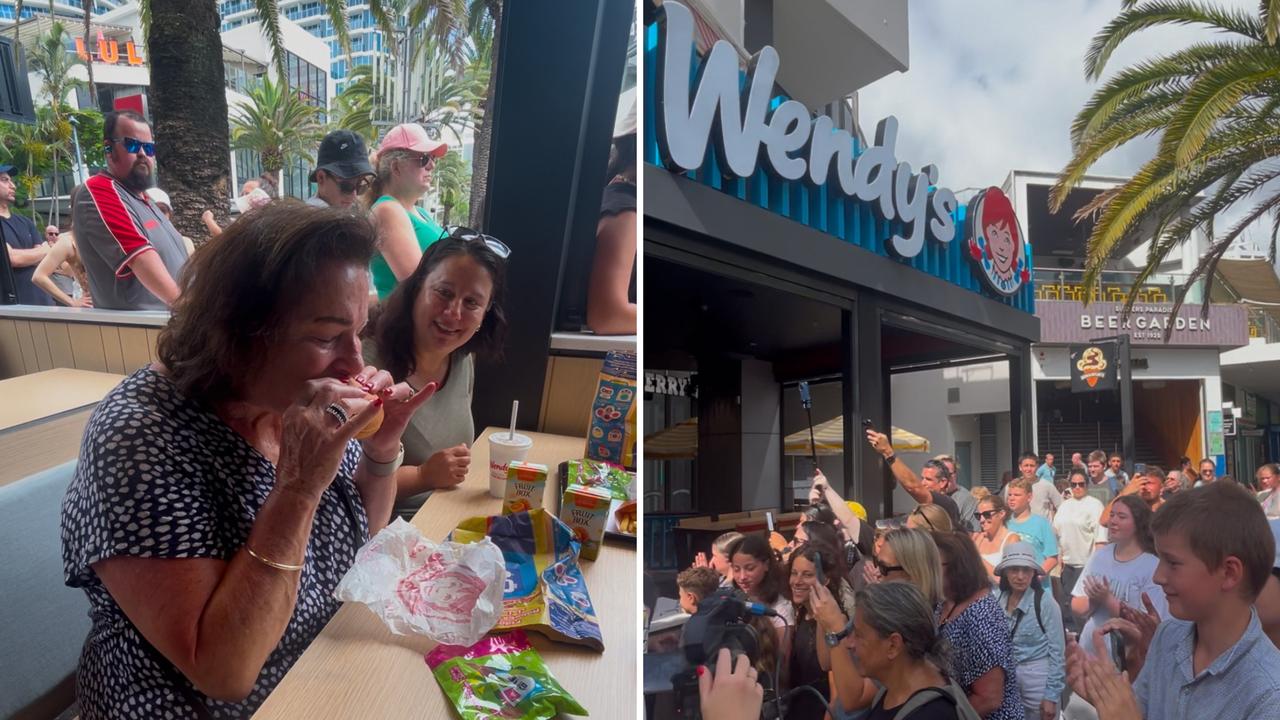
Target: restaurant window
{"points": [[571, 316]]}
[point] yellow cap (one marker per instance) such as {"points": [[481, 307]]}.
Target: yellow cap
{"points": [[857, 509]]}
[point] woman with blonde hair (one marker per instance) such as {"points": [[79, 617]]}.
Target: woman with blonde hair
{"points": [[993, 516], [929, 517], [912, 556], [404, 163]]}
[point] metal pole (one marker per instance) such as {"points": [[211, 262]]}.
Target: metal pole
{"points": [[75, 138], [1126, 403]]}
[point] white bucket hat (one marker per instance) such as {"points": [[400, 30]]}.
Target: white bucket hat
{"points": [[1019, 554]]}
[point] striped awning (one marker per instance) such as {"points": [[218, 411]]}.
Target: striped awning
{"points": [[680, 442]]}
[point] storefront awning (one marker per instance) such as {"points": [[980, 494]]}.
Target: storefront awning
{"points": [[1255, 282], [829, 439], [680, 441]]}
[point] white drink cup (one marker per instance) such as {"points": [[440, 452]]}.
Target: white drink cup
{"points": [[503, 450]]}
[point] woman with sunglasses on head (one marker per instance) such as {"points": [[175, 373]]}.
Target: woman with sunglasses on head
{"points": [[887, 657], [404, 162], [971, 619], [992, 517], [428, 331], [929, 517], [911, 556], [1035, 628]]}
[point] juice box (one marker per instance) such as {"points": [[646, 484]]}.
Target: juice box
{"points": [[585, 510], [525, 485]]}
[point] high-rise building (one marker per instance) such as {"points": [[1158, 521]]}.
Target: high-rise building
{"points": [[367, 42], [70, 9]]}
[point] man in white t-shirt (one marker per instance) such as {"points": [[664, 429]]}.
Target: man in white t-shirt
{"points": [[1079, 531], [1045, 497]]}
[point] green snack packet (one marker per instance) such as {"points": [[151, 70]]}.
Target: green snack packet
{"points": [[592, 473], [501, 676]]}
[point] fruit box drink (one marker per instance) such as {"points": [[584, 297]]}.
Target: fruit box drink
{"points": [[585, 510], [526, 483]]}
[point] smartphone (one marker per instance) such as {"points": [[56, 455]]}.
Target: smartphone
{"points": [[822, 579], [866, 423]]}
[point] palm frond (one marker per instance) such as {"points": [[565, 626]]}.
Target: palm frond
{"points": [[1165, 12], [1271, 20], [269, 16], [1211, 96], [337, 13], [1103, 142]]}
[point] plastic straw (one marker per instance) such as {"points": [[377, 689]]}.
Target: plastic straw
{"points": [[515, 407]]}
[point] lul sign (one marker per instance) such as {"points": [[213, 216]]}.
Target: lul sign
{"points": [[109, 52], [744, 121]]}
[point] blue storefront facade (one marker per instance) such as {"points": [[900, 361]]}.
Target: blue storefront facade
{"points": [[780, 249]]}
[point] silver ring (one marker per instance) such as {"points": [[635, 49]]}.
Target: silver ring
{"points": [[338, 413]]}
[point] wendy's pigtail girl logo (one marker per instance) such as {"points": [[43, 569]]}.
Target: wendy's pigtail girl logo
{"points": [[997, 246]]}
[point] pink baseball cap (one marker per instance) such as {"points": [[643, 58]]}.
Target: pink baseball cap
{"points": [[412, 136]]}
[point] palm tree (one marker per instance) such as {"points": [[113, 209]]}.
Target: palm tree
{"points": [[450, 97], [276, 124], [1215, 106], [484, 19], [362, 103], [452, 179], [87, 7], [52, 64], [187, 77]]}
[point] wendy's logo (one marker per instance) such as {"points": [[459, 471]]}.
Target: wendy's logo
{"points": [[997, 247]]}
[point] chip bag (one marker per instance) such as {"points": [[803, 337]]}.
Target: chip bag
{"points": [[544, 589], [612, 434], [501, 676], [592, 473]]}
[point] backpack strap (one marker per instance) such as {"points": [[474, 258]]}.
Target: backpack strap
{"points": [[920, 699]]}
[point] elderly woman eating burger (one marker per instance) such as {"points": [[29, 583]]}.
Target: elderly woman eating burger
{"points": [[220, 494]]}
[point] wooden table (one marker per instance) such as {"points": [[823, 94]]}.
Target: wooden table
{"points": [[28, 398], [42, 418], [356, 668]]}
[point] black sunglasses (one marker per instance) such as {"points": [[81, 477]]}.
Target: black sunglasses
{"points": [[986, 514], [132, 145], [466, 234], [886, 569], [919, 512], [427, 161], [1078, 484], [350, 185]]}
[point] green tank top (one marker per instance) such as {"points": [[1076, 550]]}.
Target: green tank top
{"points": [[424, 228]]}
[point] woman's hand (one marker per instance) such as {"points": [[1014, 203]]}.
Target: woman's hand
{"points": [[825, 609], [312, 442], [400, 402], [446, 468], [733, 694], [870, 573]]}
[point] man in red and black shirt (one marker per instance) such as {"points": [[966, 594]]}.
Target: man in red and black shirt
{"points": [[131, 252]]}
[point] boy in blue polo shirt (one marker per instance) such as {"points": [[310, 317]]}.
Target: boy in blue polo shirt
{"points": [[1213, 659], [1034, 529]]}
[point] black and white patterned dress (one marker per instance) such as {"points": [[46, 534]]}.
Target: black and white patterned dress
{"points": [[161, 476]]}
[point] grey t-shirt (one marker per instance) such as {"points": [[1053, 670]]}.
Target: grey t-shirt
{"points": [[114, 226]]}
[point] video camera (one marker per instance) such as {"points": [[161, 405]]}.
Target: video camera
{"points": [[721, 622]]}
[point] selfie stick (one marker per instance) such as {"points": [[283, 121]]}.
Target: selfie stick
{"points": [[807, 403]]}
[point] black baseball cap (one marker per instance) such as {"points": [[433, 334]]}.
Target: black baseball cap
{"points": [[7, 169], [342, 153]]}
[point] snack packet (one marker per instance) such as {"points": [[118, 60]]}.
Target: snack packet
{"points": [[526, 486], [593, 473], [450, 592], [612, 434], [545, 590], [501, 676], [586, 510]]}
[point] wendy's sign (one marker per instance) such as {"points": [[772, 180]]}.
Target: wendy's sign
{"points": [[1000, 252], [745, 121]]}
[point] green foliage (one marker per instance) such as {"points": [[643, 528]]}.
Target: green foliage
{"points": [[452, 179], [1215, 107], [276, 124]]}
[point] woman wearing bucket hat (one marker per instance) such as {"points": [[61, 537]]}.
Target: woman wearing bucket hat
{"points": [[1035, 623], [404, 162]]}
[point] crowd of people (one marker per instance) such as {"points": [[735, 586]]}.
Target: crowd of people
{"points": [[1089, 593], [220, 493]]}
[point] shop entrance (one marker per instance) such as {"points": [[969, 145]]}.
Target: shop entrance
{"points": [[1166, 416]]}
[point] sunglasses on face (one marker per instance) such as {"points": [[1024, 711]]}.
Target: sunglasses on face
{"points": [[886, 569], [427, 161], [986, 514], [1077, 484], [352, 185], [132, 145], [466, 234]]}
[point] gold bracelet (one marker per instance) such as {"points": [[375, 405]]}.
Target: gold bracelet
{"points": [[271, 563]]}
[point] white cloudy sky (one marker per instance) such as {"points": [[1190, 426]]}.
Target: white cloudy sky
{"points": [[995, 84]]}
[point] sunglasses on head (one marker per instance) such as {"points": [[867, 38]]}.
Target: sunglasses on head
{"points": [[886, 569], [466, 234], [924, 517], [986, 514], [132, 145]]}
